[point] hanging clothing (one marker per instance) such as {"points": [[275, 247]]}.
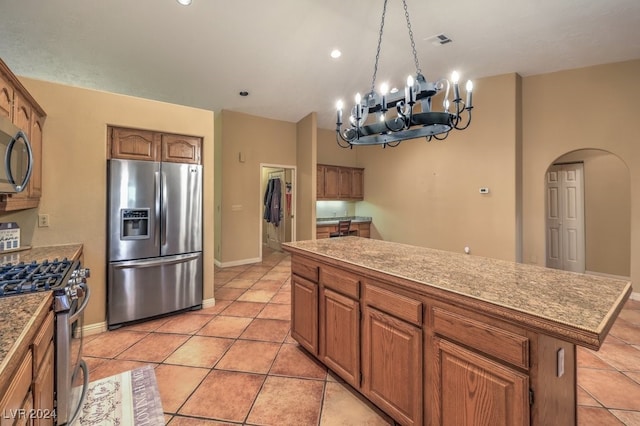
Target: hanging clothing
{"points": [[272, 198]]}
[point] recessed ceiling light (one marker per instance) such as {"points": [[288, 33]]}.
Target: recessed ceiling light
{"points": [[184, 2], [244, 93], [335, 53]]}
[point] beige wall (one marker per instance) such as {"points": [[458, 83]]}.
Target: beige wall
{"points": [[607, 211], [74, 171], [330, 153], [593, 107], [260, 140], [427, 193]]}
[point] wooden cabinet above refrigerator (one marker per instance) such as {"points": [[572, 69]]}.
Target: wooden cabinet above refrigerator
{"points": [[149, 145]]}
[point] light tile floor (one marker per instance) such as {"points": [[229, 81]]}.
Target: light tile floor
{"points": [[235, 363]]}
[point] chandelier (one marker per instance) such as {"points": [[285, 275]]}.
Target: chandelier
{"points": [[372, 122]]}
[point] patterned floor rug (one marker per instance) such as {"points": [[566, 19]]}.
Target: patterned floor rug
{"points": [[130, 398]]}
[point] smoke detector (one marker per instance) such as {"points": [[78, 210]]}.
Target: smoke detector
{"points": [[438, 39]]}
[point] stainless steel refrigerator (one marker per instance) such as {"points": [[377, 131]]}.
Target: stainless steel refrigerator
{"points": [[155, 239]]}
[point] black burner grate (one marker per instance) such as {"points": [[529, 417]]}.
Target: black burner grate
{"points": [[32, 277]]}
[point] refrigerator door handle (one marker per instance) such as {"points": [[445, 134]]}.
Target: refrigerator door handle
{"points": [[163, 241], [156, 233], [151, 263]]}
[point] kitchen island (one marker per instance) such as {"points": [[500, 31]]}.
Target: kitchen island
{"points": [[434, 337]]}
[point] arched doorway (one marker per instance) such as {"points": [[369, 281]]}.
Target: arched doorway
{"points": [[604, 181]]}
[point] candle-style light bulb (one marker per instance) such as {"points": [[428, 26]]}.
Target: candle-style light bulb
{"points": [[384, 89], [358, 108], [339, 108], [455, 77], [469, 92], [408, 91]]}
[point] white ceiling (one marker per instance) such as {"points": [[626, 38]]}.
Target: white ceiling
{"points": [[278, 50]]}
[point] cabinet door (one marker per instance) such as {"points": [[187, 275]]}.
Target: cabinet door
{"points": [[357, 184], [133, 144], [340, 335], [392, 366], [320, 182], [6, 98], [181, 149], [43, 387], [475, 391], [304, 313], [35, 182], [345, 183], [331, 182]]}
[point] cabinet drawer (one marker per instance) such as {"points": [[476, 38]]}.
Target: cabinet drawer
{"points": [[397, 305], [42, 340], [304, 268], [14, 398], [486, 338], [340, 281]]}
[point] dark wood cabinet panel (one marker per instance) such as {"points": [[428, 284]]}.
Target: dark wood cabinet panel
{"points": [[181, 149], [6, 97], [331, 182], [134, 144]]}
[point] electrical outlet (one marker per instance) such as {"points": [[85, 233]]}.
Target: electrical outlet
{"points": [[43, 220]]}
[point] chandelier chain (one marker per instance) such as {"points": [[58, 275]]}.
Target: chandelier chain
{"points": [[413, 44], [375, 67]]}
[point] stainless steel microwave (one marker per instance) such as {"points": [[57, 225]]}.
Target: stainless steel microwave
{"points": [[16, 161]]}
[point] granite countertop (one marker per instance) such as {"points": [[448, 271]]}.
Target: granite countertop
{"points": [[70, 251], [19, 317], [21, 314], [330, 221], [581, 308]]}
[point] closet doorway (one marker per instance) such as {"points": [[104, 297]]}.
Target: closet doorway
{"points": [[277, 221]]}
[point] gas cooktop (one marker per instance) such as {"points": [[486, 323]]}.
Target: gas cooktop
{"points": [[32, 277]]}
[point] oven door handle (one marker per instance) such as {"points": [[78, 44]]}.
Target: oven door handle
{"points": [[80, 310]]}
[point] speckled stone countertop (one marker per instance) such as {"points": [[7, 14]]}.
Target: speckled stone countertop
{"points": [[70, 251], [576, 307], [21, 314], [330, 221]]}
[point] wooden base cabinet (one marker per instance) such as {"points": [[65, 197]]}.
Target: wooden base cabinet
{"points": [[429, 359], [474, 390], [392, 366]]}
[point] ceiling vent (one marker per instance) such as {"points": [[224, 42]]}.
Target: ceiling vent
{"points": [[439, 39]]}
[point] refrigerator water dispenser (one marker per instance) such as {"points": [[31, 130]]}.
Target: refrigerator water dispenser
{"points": [[134, 224]]}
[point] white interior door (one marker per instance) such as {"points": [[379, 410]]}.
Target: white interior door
{"points": [[565, 217], [276, 234]]}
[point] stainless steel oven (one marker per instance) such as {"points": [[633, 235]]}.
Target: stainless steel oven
{"points": [[68, 282], [72, 375]]}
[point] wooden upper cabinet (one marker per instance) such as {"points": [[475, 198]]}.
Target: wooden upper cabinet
{"points": [[147, 145], [35, 183], [331, 182], [181, 149], [320, 182], [344, 191], [134, 144], [357, 184], [17, 104], [6, 97], [339, 183]]}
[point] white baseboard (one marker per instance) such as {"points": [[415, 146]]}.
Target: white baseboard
{"points": [[91, 329], [635, 296], [236, 262]]}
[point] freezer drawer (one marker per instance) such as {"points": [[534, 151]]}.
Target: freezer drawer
{"points": [[145, 288]]}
